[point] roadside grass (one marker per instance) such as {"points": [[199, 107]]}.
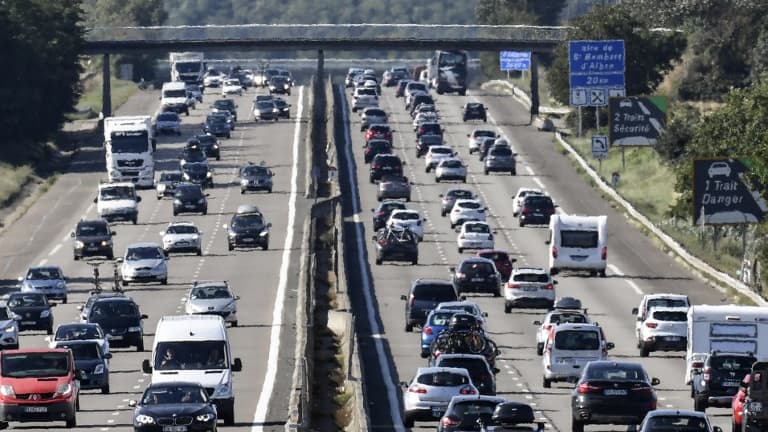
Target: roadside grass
{"points": [[12, 180], [524, 83], [89, 105]]}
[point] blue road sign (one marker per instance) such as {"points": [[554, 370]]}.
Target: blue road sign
{"points": [[515, 60], [596, 65]]}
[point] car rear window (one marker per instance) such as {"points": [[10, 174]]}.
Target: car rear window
{"points": [[477, 268], [442, 379], [579, 239], [531, 277], [662, 302], [616, 372], [577, 340], [475, 367], [474, 408], [677, 423], [731, 363], [567, 318], [469, 205], [670, 316], [441, 150], [441, 318], [501, 151], [434, 292], [538, 200], [451, 164]]}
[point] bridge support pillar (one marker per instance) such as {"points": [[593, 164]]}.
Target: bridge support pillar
{"points": [[106, 90], [320, 63], [534, 86]]}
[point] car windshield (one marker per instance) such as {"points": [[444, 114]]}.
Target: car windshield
{"points": [[441, 318], [170, 177], [196, 168], [143, 253], [255, 171], [111, 309], [442, 379], [676, 423], [265, 104], [191, 355], [210, 292], [485, 133], [567, 318], [181, 229], [193, 155], [68, 333], [280, 103], [670, 316], [531, 277], [83, 351], [538, 201], [35, 364], [173, 394], [477, 228], [469, 205], [501, 151], [45, 273], [117, 193], [206, 140], [577, 340], [189, 192], [248, 221], [406, 216], [388, 207], [578, 239], [26, 300], [615, 372], [224, 105], [168, 117], [438, 293], [458, 194], [96, 229]]}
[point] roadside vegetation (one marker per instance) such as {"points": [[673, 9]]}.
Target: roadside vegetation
{"points": [[89, 104]]}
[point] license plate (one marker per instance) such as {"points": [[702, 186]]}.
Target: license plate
{"points": [[247, 239], [36, 409], [92, 248], [386, 168], [174, 429], [615, 392], [28, 322], [673, 338], [437, 411], [115, 337], [530, 288], [477, 279], [730, 384], [538, 214], [190, 206]]}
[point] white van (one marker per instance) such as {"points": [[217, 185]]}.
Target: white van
{"points": [[195, 348], [175, 97], [578, 243], [568, 350]]}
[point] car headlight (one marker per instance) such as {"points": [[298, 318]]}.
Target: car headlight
{"points": [[209, 174], [161, 187], [7, 390], [10, 329], [63, 389], [244, 182], [79, 244], [285, 86], [264, 233], [144, 419], [99, 369], [103, 243], [215, 146], [177, 201], [60, 284], [134, 329], [222, 391], [45, 314], [275, 110], [232, 234], [201, 201], [205, 417]]}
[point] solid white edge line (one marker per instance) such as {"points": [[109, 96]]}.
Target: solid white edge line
{"points": [[262, 406], [394, 404], [54, 250]]}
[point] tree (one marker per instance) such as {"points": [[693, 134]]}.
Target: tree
{"points": [[649, 55]]}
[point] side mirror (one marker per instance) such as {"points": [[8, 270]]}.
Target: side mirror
{"points": [[108, 356], [145, 367], [495, 370], [404, 384], [207, 194], [162, 233], [609, 346], [513, 260], [424, 219], [452, 269], [457, 230], [237, 365], [635, 311], [485, 314], [95, 200], [403, 297], [113, 233], [655, 381], [144, 316], [405, 163], [72, 234], [48, 339], [537, 323], [373, 237], [132, 403]]}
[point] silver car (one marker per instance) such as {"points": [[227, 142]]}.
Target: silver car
{"points": [[144, 262], [182, 237], [451, 169], [168, 122], [393, 186], [212, 298], [48, 280], [371, 116], [427, 396], [500, 158]]}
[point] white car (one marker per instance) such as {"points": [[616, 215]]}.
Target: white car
{"points": [[476, 136], [212, 79], [182, 237], [410, 218], [517, 200], [529, 287], [371, 116], [657, 300], [430, 392], [425, 117], [212, 298], [664, 329], [552, 319], [364, 101], [468, 307], [232, 86], [435, 154], [467, 210], [451, 169], [415, 87], [144, 262], [474, 235]]}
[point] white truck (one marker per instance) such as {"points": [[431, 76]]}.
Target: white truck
{"points": [[725, 328], [187, 66], [129, 146]]}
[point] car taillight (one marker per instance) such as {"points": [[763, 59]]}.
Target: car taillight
{"points": [[383, 242], [548, 327], [450, 421], [651, 324], [554, 252], [428, 330], [526, 210], [461, 236], [549, 287], [375, 166], [467, 390], [513, 285], [417, 389], [604, 255], [707, 374], [641, 389], [461, 275], [585, 388]]}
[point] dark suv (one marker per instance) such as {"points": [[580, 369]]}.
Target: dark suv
{"points": [[248, 229], [536, 210], [425, 295], [477, 275], [209, 145], [474, 111], [381, 214], [119, 316], [754, 414], [718, 381], [92, 238], [190, 198], [396, 245], [385, 164]]}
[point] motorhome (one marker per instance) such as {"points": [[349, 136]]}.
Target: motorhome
{"points": [[578, 243], [129, 144], [188, 67], [725, 328]]}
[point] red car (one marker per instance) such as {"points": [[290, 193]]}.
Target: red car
{"points": [[38, 385], [379, 131], [737, 404], [501, 259]]}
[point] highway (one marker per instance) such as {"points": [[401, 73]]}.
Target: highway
{"points": [[636, 266], [264, 280]]}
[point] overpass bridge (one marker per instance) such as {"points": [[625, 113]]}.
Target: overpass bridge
{"points": [[320, 37]]}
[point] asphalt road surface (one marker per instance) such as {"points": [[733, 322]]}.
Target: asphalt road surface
{"points": [[264, 280], [636, 266]]}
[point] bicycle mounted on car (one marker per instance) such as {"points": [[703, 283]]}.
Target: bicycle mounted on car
{"points": [[464, 335]]}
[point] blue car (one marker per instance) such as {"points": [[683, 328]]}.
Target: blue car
{"points": [[436, 322]]}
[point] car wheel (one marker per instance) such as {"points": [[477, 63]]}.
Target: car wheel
{"points": [[497, 293], [218, 157], [164, 281], [105, 389], [577, 426], [521, 223], [378, 198], [230, 247], [110, 256], [463, 179], [205, 212], [546, 383], [408, 421], [159, 197], [125, 282], [601, 273], [408, 328], [64, 300], [229, 136], [644, 351], [507, 308], [134, 220], [540, 348], [699, 404], [437, 179], [414, 261], [175, 213], [269, 190], [379, 261], [49, 330], [77, 258], [265, 246], [485, 170], [234, 323], [461, 250], [199, 252], [426, 170], [71, 422], [242, 191]]}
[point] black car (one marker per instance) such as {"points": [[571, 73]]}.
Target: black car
{"points": [[91, 362], [384, 164], [248, 229], [33, 309], [476, 275], [474, 111], [278, 84], [198, 173], [480, 372], [226, 105], [379, 131], [190, 198], [381, 214], [424, 142], [283, 108], [430, 128], [92, 238], [217, 125], [396, 245], [718, 381], [449, 199], [166, 184], [536, 210], [256, 177], [611, 392], [209, 145], [465, 413], [374, 147], [119, 316], [425, 295], [176, 406]]}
